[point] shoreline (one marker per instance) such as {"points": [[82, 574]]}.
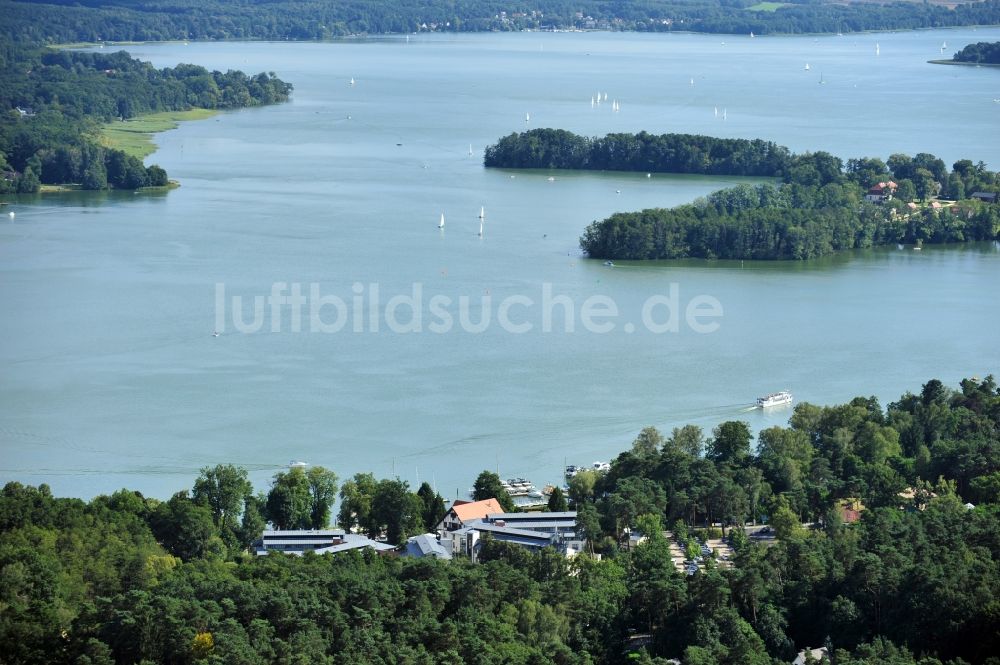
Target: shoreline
{"points": [[384, 35], [65, 187], [135, 136], [965, 64]]}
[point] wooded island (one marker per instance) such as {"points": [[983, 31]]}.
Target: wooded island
{"points": [[821, 204]]}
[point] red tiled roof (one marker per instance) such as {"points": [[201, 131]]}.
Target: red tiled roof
{"points": [[476, 509]]}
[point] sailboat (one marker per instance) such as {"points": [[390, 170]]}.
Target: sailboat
{"points": [[716, 111], [352, 80], [821, 78], [591, 102], [724, 114], [470, 150], [527, 117], [482, 218], [807, 66], [605, 96], [877, 50], [441, 223], [692, 80], [751, 34]]}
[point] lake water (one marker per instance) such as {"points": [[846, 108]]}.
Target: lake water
{"points": [[110, 376]]}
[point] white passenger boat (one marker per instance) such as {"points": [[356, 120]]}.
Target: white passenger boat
{"points": [[774, 399]]}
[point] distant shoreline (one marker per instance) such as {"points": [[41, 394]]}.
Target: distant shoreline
{"points": [[385, 35]]}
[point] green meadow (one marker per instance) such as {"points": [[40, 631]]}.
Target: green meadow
{"points": [[135, 136]]}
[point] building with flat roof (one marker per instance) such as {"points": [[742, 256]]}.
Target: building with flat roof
{"points": [[320, 541], [563, 524], [533, 531], [467, 541]]}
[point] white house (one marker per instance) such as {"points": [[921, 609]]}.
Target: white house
{"points": [[883, 191], [818, 655]]}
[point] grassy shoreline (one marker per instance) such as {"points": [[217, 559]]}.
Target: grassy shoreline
{"points": [[135, 136], [77, 187]]}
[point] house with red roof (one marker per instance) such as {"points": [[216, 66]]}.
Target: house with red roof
{"points": [[883, 191], [462, 513]]}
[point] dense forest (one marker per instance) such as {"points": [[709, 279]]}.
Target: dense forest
{"points": [[821, 205], [151, 20], [131, 579], [55, 102], [985, 53], [663, 153]]}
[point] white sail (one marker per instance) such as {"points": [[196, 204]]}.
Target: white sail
{"points": [[441, 223], [716, 111], [527, 117], [470, 150], [877, 50], [482, 218], [807, 66]]}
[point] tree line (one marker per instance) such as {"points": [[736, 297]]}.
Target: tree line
{"points": [[819, 208], [55, 102], [125, 578], [663, 153], [154, 20], [987, 53]]}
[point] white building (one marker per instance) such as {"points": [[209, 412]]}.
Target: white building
{"points": [[320, 541]]}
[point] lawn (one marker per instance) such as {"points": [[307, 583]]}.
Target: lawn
{"points": [[767, 6], [135, 136]]}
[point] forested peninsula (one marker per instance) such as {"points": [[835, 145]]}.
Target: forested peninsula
{"points": [[980, 53], [884, 547], [55, 102], [156, 20], [821, 205]]}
